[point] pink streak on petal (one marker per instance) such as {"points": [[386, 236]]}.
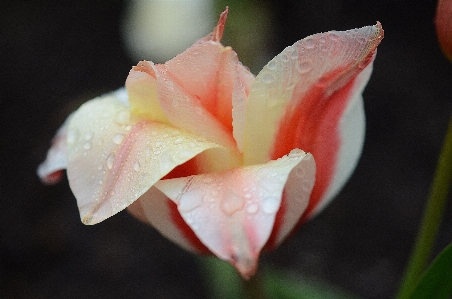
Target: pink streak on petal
{"points": [[217, 32], [232, 212]]}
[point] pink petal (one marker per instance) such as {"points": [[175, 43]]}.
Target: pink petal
{"points": [[114, 157], [185, 110], [309, 96], [233, 212], [157, 209]]}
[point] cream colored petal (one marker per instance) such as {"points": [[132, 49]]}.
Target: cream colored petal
{"points": [[114, 157]]}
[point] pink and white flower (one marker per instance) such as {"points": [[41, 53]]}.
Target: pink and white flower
{"points": [[217, 160]]}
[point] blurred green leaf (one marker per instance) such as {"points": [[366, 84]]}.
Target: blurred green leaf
{"points": [[436, 283], [222, 279], [285, 287]]}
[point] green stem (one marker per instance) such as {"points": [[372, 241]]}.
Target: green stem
{"points": [[433, 215], [223, 281]]}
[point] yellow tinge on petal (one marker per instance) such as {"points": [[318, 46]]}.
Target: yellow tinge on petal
{"points": [[114, 157]]}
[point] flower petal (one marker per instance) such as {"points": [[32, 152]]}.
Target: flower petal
{"points": [[156, 209], [309, 96], [142, 89], [186, 111], [51, 170], [232, 212], [114, 157]]}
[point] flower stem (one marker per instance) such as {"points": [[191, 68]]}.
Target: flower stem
{"points": [[433, 215], [223, 281]]}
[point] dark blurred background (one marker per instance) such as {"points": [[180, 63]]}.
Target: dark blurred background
{"points": [[53, 55]]}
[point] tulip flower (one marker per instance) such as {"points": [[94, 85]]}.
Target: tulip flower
{"points": [[443, 23], [217, 160]]}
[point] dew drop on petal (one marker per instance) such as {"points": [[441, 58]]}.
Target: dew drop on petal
{"points": [[122, 117], [270, 204], [268, 78], [252, 208], [87, 145], [232, 203], [300, 172], [89, 135], [333, 36], [362, 40], [295, 153], [285, 57], [272, 65], [72, 136], [136, 166], [118, 138], [309, 43], [304, 66], [179, 140], [110, 161]]}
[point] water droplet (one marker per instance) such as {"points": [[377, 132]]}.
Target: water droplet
{"points": [[295, 153], [189, 203], [268, 78], [110, 161], [272, 65], [127, 128], [270, 204], [309, 43], [252, 208], [362, 40], [179, 140], [100, 141], [99, 167], [72, 136], [232, 203], [136, 166], [300, 172], [306, 186], [122, 117], [333, 36], [304, 67], [87, 145], [247, 195], [89, 135], [285, 57], [158, 144], [118, 138]]}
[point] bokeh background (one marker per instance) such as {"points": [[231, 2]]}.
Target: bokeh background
{"points": [[56, 54]]}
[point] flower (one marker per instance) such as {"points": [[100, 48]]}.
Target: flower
{"points": [[443, 23], [212, 156]]}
